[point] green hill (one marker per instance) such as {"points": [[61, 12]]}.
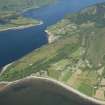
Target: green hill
{"points": [[10, 10], [76, 57], [20, 5]]}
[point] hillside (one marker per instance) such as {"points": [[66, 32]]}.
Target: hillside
{"points": [[20, 5], [76, 57]]}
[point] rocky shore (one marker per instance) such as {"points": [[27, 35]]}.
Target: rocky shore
{"points": [[22, 27]]}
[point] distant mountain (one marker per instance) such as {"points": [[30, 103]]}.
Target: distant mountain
{"points": [[18, 5]]}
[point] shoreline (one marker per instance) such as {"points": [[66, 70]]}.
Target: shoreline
{"points": [[38, 7], [5, 68], [70, 91], [22, 27], [49, 79]]}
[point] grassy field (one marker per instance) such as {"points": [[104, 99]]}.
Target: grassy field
{"points": [[10, 12]]}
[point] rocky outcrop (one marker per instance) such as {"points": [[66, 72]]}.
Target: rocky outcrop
{"points": [[51, 36]]}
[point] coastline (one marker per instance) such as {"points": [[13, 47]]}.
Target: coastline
{"points": [[22, 27], [49, 81], [5, 68], [38, 7]]}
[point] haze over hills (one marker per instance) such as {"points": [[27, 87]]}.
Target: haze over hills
{"points": [[75, 57], [20, 5]]}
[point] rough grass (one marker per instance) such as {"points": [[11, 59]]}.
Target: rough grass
{"points": [[86, 89]]}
